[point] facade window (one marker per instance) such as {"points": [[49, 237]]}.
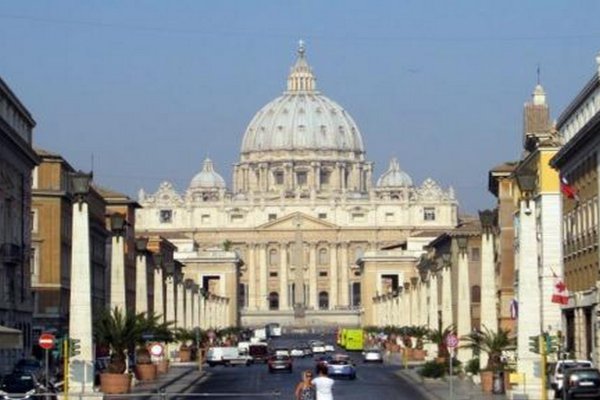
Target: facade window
{"points": [[324, 177], [322, 216], [358, 217], [323, 256], [273, 301], [389, 217], [242, 300], [272, 217], [323, 301], [429, 214], [323, 274], [355, 294], [475, 294], [205, 219], [273, 257], [278, 175], [166, 216], [237, 218], [475, 254], [34, 220], [301, 178], [273, 274]]}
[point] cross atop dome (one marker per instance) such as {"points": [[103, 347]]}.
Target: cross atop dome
{"points": [[301, 78]]}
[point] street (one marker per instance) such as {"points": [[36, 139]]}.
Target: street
{"points": [[373, 380]]}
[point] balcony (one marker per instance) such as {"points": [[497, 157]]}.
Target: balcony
{"points": [[10, 253]]}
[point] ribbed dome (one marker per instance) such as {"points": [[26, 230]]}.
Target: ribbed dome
{"points": [[394, 177], [207, 178], [302, 119]]}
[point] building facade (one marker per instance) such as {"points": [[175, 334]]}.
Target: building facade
{"points": [[17, 160], [302, 210]]}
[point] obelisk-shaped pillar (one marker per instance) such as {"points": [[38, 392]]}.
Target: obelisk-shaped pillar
{"points": [[117, 273], [141, 283]]}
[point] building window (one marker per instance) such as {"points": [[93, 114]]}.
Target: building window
{"points": [[273, 259], [429, 213], [323, 301], [34, 220], [205, 219], [273, 301], [272, 217], [166, 216], [34, 178], [322, 216], [301, 178], [389, 217], [475, 254], [273, 274], [278, 175], [323, 256], [323, 274], [358, 217], [324, 177], [242, 301], [355, 294], [237, 218], [475, 294]]}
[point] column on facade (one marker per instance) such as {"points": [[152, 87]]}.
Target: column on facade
{"points": [[447, 319], [141, 283], [406, 305], [202, 311], [180, 307], [368, 177], [528, 293], [262, 278], [195, 308], [283, 277], [344, 281], [317, 166], [423, 314], [463, 314], [396, 310], [159, 299], [117, 273], [312, 277], [252, 267], [433, 302], [333, 276]]}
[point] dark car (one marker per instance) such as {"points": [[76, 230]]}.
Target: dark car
{"points": [[581, 383], [29, 366], [280, 363], [21, 386]]}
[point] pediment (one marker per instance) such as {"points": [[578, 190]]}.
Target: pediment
{"points": [[291, 222]]}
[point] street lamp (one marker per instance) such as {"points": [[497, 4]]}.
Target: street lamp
{"points": [[117, 223], [487, 218], [170, 268], [141, 244], [80, 185], [446, 258], [526, 180], [461, 241]]}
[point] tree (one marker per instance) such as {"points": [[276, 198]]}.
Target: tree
{"points": [[120, 332], [438, 336], [491, 342], [227, 245]]}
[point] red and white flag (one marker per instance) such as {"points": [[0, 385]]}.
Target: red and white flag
{"points": [[568, 190], [560, 294]]}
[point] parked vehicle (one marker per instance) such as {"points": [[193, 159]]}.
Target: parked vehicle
{"points": [[259, 352], [226, 356], [341, 367], [282, 351], [30, 366], [581, 382], [318, 347], [280, 363], [373, 355], [297, 351], [353, 339], [558, 371], [22, 386], [260, 334], [329, 348], [273, 329]]}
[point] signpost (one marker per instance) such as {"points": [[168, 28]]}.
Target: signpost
{"points": [[46, 342], [451, 343]]}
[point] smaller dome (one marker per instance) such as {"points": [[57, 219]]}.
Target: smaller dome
{"points": [[394, 177], [207, 178]]}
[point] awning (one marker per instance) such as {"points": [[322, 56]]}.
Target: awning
{"points": [[10, 338]]}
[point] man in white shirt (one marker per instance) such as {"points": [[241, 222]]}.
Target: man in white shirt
{"points": [[323, 384]]}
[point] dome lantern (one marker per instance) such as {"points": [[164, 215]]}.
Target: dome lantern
{"points": [[301, 78]]}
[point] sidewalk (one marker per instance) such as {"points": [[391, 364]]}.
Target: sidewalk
{"points": [[181, 377]]}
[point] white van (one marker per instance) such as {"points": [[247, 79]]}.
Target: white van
{"points": [[226, 356], [557, 373]]}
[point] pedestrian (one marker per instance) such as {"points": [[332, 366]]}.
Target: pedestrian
{"points": [[323, 384], [305, 390]]}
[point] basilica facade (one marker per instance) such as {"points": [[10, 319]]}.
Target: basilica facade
{"points": [[302, 212]]}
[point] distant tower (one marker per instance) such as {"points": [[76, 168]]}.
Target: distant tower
{"points": [[536, 119]]}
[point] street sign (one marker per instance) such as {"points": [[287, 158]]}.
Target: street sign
{"points": [[46, 341], [156, 349], [451, 341]]}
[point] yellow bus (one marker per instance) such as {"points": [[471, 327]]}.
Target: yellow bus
{"points": [[353, 339]]}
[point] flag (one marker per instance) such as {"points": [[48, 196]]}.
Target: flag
{"points": [[560, 294], [514, 309], [567, 189]]}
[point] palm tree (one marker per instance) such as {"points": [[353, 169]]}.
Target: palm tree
{"points": [[493, 343], [120, 332], [438, 336], [151, 326]]}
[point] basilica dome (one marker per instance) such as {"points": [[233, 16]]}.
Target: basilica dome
{"points": [[302, 119], [394, 177], [208, 178]]}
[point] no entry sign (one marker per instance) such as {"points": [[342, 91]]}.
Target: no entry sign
{"points": [[451, 341], [46, 341]]}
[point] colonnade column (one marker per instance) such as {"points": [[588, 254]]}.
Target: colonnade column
{"points": [[344, 281], [488, 311], [262, 277], [283, 277], [202, 311], [189, 308], [447, 318], [333, 276], [463, 315], [117, 273], [252, 292], [433, 302], [414, 302], [170, 299], [195, 307], [141, 283], [159, 302], [312, 276], [406, 304], [180, 309]]}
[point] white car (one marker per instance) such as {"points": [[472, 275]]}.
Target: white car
{"points": [[282, 352], [558, 373], [372, 355], [297, 352], [318, 347], [329, 348]]}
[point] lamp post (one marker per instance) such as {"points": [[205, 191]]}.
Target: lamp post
{"points": [[81, 366], [141, 275], [117, 266]]}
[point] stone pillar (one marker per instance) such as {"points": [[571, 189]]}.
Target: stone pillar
{"points": [[189, 307], [463, 314], [202, 311], [252, 292], [262, 278], [447, 318], [333, 276], [344, 281], [405, 305], [80, 305], [141, 284], [528, 295], [117, 273], [423, 312], [170, 300], [159, 299], [414, 303], [433, 302], [489, 311], [312, 277], [180, 307], [283, 277], [195, 308]]}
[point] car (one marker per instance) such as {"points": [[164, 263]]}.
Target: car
{"points": [[22, 386], [259, 352], [373, 355], [558, 370], [307, 350], [278, 363], [317, 347], [281, 351], [341, 368], [30, 366], [581, 382], [329, 348], [297, 351], [322, 360]]}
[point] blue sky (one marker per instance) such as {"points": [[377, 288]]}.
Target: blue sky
{"points": [[151, 88]]}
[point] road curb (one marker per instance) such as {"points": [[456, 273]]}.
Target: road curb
{"points": [[417, 385]]}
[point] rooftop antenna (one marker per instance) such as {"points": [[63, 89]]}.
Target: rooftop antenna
{"points": [[538, 72], [92, 163]]}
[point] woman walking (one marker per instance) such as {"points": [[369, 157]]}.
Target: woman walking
{"points": [[305, 390]]}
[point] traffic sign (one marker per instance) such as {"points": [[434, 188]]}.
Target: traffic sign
{"points": [[156, 349], [451, 341], [46, 341]]}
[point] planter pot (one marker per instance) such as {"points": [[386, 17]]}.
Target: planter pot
{"points": [[145, 372], [185, 355], [418, 355], [409, 351], [487, 381], [440, 360], [162, 367], [115, 383]]}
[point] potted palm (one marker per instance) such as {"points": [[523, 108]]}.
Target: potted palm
{"points": [[419, 333], [493, 343], [438, 336], [120, 332], [152, 328], [186, 338]]}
